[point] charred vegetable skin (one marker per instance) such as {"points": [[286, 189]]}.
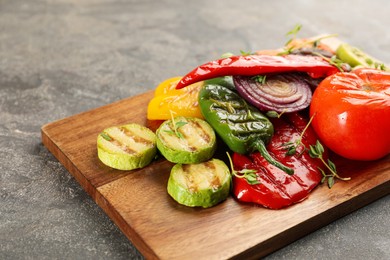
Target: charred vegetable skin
{"points": [[276, 189], [252, 65], [241, 126]]}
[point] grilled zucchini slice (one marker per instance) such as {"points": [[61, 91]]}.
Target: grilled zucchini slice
{"points": [[186, 140], [200, 185], [126, 147]]}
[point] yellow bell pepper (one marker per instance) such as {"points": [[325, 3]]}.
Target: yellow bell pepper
{"points": [[168, 101]]}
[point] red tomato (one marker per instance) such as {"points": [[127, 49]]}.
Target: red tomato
{"points": [[352, 113]]}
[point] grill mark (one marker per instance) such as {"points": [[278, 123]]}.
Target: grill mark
{"points": [[203, 133], [215, 182], [266, 174], [121, 146], [305, 163], [210, 165], [136, 138], [189, 178]]}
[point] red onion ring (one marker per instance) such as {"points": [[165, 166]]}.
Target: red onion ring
{"points": [[281, 93]]}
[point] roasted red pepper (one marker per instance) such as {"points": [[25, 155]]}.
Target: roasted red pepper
{"points": [[252, 65], [276, 188]]}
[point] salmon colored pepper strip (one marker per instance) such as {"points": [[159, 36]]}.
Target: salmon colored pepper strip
{"points": [[252, 65]]}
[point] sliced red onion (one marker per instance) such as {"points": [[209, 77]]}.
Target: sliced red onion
{"points": [[281, 93]]}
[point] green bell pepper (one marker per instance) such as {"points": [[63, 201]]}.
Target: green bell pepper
{"points": [[241, 126]]}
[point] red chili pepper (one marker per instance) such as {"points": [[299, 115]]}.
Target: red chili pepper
{"points": [[276, 188], [253, 65]]}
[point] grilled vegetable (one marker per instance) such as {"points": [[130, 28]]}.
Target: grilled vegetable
{"points": [[200, 185], [288, 92], [180, 102], [275, 189], [126, 147], [357, 58], [186, 140], [252, 65], [241, 126], [352, 113]]}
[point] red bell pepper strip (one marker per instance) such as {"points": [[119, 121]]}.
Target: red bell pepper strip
{"points": [[252, 65], [276, 188]]}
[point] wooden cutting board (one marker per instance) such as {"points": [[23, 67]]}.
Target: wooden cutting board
{"points": [[160, 228]]}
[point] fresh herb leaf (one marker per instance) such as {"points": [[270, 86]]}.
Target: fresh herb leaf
{"points": [[379, 66], [330, 182], [316, 151], [170, 132], [291, 150], [260, 78], [176, 126], [292, 147], [295, 30], [316, 43], [293, 34], [245, 53], [248, 174], [274, 114], [180, 124], [106, 136]]}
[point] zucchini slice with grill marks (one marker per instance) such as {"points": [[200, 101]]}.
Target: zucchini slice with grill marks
{"points": [[126, 147], [186, 140], [200, 185]]}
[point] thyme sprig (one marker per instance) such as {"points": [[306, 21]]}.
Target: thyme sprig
{"points": [[292, 147], [106, 136], [316, 151], [315, 42], [274, 114], [260, 78], [342, 66], [176, 126], [248, 174], [246, 53], [294, 32]]}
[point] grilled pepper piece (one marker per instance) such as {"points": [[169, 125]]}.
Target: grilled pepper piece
{"points": [[241, 126], [180, 102], [253, 65], [276, 189]]}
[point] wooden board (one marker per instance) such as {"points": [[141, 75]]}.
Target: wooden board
{"points": [[160, 228]]}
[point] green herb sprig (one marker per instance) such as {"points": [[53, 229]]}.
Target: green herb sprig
{"points": [[260, 78], [248, 174], [274, 114], [176, 126], [294, 32], [246, 53], [316, 151], [106, 136], [292, 147]]}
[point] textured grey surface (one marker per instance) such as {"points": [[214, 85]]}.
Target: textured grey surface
{"points": [[59, 58]]}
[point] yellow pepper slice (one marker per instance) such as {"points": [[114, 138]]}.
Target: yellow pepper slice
{"points": [[168, 101]]}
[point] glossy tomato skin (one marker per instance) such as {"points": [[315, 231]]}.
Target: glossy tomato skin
{"points": [[352, 114]]}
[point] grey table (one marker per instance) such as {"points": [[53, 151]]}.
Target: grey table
{"points": [[59, 58]]}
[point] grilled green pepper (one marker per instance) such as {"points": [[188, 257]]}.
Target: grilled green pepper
{"points": [[241, 126]]}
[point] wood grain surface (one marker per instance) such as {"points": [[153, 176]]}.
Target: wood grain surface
{"points": [[160, 228]]}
